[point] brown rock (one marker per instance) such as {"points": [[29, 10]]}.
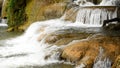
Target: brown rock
{"points": [[78, 51], [4, 9], [65, 38], [117, 63], [38, 10], [71, 14]]}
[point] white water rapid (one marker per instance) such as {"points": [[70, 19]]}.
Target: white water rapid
{"points": [[27, 49], [31, 49]]}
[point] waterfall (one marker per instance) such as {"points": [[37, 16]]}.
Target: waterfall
{"points": [[27, 49], [110, 2], [93, 16], [3, 22], [31, 49], [100, 62]]}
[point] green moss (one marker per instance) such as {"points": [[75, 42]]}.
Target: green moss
{"points": [[21, 13], [16, 13]]}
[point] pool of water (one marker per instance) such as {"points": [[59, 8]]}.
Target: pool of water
{"points": [[6, 35]]}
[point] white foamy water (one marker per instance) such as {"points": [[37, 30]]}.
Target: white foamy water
{"points": [[3, 22], [27, 50], [110, 2], [94, 16]]}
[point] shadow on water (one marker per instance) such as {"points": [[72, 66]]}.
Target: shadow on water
{"points": [[94, 30], [6, 35], [101, 30], [59, 65]]}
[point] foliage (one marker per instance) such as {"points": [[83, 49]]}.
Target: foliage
{"points": [[16, 12], [21, 13]]}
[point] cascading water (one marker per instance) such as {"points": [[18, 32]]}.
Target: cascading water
{"points": [[110, 2], [89, 16], [100, 62], [3, 22], [29, 50], [96, 14]]}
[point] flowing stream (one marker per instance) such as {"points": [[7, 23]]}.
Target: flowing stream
{"points": [[29, 50]]}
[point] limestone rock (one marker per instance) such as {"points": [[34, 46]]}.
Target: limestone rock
{"points": [[86, 51], [71, 14], [63, 38]]}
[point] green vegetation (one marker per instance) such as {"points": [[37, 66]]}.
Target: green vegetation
{"points": [[16, 13], [22, 13]]}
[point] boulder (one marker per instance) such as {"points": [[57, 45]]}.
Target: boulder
{"points": [[86, 51]]}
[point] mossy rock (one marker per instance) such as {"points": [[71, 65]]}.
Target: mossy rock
{"points": [[21, 14]]}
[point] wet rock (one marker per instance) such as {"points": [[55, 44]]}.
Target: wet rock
{"points": [[64, 38], [4, 9], [40, 10], [86, 51], [113, 27], [117, 63], [71, 14], [56, 12]]}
